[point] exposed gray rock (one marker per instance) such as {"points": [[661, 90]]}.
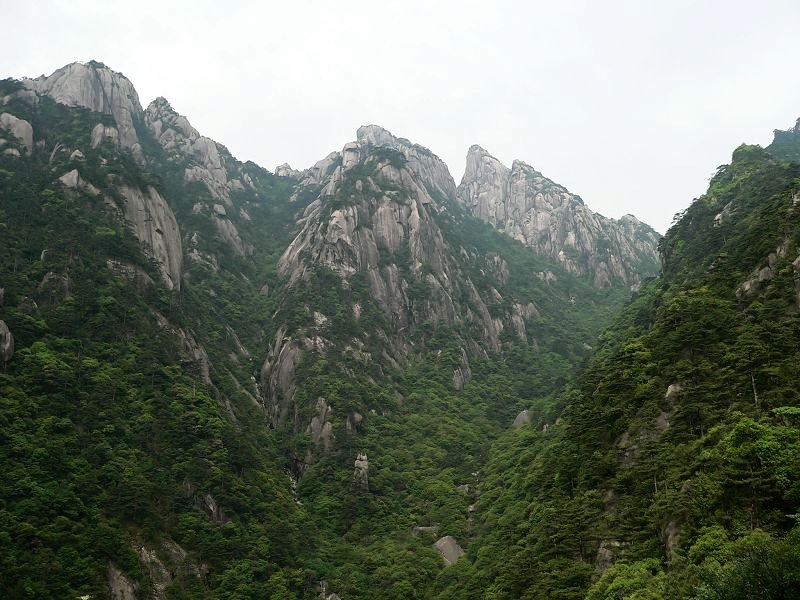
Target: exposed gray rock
{"points": [[77, 155], [19, 128], [6, 343], [159, 575], [119, 586], [361, 471], [672, 392], [73, 180], [546, 217], [449, 549], [523, 418], [11, 152], [176, 134], [29, 97], [190, 346], [416, 530], [98, 88], [154, 225], [462, 374], [671, 535], [277, 376], [57, 286], [430, 168], [320, 428], [606, 554], [285, 170], [102, 133]]}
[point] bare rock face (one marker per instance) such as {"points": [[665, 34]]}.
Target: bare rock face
{"points": [[175, 133], [375, 203], [430, 168], [19, 128], [119, 586], [207, 165], [449, 549], [73, 180], [98, 88], [154, 225], [376, 215], [321, 428], [523, 418], [361, 472], [6, 343], [550, 220]]}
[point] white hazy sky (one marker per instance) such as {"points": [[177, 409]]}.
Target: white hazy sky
{"points": [[631, 104]]}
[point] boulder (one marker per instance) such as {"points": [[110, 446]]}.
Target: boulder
{"points": [[523, 418], [449, 549], [19, 128]]}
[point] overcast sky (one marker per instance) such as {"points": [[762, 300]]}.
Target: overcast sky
{"points": [[630, 104]]}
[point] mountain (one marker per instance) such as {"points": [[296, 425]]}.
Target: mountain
{"points": [[221, 382], [669, 467], [551, 221]]}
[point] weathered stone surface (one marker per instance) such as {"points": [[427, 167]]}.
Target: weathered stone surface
{"points": [[555, 223], [74, 181], [523, 418], [361, 471], [449, 549], [98, 88], [374, 214], [6, 343], [119, 586], [176, 134], [19, 128], [285, 170], [672, 392], [102, 133], [320, 428], [154, 225]]}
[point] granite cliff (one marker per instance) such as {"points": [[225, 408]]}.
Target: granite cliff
{"points": [[555, 223]]}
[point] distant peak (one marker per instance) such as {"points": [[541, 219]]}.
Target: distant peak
{"points": [[476, 149], [161, 103], [375, 135]]}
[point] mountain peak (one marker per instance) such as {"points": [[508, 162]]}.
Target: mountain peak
{"points": [[94, 86], [554, 223], [375, 135]]}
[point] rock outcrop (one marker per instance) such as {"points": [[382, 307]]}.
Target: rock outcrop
{"points": [[554, 223], [153, 223], [206, 162], [361, 471], [376, 217], [19, 128], [6, 343], [449, 549], [94, 86]]}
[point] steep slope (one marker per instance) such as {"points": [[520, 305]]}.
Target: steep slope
{"points": [[551, 221], [130, 410], [671, 469], [184, 335]]}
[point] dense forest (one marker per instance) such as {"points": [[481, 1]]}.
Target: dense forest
{"points": [[198, 423]]}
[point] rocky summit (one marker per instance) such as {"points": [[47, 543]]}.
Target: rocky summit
{"points": [[359, 380], [553, 222]]}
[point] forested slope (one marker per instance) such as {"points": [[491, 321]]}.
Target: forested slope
{"points": [[671, 467], [141, 278]]}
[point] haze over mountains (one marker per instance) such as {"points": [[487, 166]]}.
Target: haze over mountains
{"points": [[225, 382]]}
